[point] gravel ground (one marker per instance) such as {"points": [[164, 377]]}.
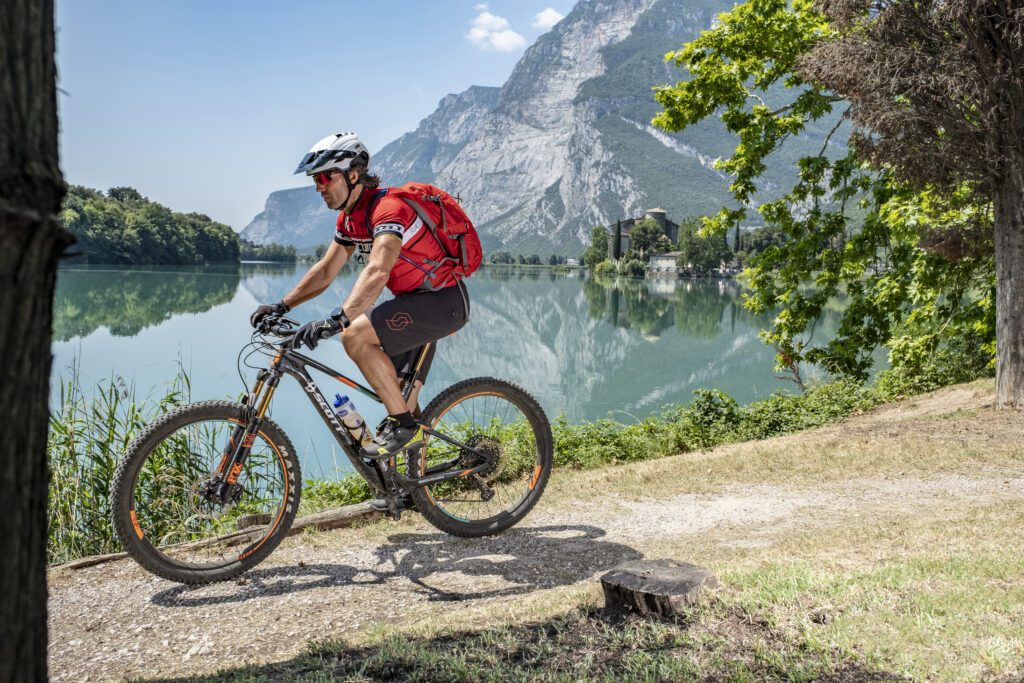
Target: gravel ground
{"points": [[114, 621]]}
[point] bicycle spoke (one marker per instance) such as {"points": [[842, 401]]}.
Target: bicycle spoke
{"points": [[494, 425]]}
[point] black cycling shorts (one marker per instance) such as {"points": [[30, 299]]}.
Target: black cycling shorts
{"points": [[407, 322]]}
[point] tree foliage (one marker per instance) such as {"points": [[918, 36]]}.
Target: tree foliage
{"points": [[280, 253], [698, 252], [848, 230], [647, 237], [502, 257], [125, 227], [936, 92], [598, 249]]}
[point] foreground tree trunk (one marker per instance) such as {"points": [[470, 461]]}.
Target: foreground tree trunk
{"points": [[31, 242], [1009, 237]]}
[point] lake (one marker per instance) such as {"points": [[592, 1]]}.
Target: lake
{"points": [[582, 348]]}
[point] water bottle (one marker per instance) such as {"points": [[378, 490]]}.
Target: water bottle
{"points": [[352, 420]]}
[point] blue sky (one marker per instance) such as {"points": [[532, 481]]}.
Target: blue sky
{"points": [[208, 106]]}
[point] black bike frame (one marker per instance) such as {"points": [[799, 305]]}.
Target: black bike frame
{"points": [[381, 475]]}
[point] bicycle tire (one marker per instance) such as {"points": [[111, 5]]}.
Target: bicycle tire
{"points": [[513, 459], [164, 460]]}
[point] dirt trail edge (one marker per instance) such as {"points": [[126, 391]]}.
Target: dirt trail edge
{"points": [[115, 621]]}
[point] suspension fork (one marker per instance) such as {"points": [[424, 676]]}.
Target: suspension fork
{"points": [[242, 438]]}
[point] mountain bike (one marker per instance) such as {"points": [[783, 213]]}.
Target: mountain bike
{"points": [[208, 490]]}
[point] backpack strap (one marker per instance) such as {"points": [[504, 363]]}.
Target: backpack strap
{"points": [[427, 221], [374, 200]]}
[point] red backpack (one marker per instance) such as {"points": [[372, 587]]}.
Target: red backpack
{"points": [[449, 224]]}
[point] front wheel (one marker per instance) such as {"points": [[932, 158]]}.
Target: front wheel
{"points": [[510, 434], [163, 510]]}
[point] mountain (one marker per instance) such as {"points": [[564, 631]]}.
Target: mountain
{"points": [[566, 143], [298, 216]]}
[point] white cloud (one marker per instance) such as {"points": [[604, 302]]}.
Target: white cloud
{"points": [[547, 18], [489, 31], [482, 7]]}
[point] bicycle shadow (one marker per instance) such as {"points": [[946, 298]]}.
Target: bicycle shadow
{"points": [[519, 561], [442, 567], [268, 582]]}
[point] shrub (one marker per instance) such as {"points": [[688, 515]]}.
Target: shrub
{"points": [[320, 495], [633, 268]]}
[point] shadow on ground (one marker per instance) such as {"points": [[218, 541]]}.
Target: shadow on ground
{"points": [[443, 567], [715, 642]]}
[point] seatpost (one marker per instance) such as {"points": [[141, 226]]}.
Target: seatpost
{"points": [[409, 383]]}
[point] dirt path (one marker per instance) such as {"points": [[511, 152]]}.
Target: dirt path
{"points": [[115, 620]]}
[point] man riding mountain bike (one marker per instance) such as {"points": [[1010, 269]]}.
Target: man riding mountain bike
{"points": [[405, 251]]}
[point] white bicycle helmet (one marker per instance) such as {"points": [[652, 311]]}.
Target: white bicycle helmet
{"points": [[334, 151]]}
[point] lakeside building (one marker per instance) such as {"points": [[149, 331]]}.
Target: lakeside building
{"points": [[619, 241], [664, 263]]}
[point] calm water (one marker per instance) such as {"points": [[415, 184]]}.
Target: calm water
{"points": [[583, 349]]}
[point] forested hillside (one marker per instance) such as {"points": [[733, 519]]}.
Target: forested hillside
{"points": [[122, 226]]}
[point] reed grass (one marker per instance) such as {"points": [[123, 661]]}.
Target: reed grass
{"points": [[88, 435]]}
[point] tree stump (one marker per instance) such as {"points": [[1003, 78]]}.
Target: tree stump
{"points": [[660, 587]]}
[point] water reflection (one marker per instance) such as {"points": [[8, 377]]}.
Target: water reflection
{"points": [[696, 308], [583, 347], [126, 301], [628, 346]]}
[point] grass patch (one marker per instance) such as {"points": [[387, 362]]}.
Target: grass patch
{"points": [[716, 642], [935, 596]]}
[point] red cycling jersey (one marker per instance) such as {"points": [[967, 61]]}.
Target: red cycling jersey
{"points": [[420, 250]]}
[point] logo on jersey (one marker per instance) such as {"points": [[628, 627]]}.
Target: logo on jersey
{"points": [[399, 321]]}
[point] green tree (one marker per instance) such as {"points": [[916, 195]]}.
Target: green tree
{"points": [[124, 227], [700, 253], [846, 226], [646, 238], [553, 260], [533, 260], [760, 239], [502, 257], [633, 268], [936, 93], [278, 253], [598, 249], [125, 195]]}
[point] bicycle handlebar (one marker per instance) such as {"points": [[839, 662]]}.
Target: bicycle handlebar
{"points": [[278, 326]]}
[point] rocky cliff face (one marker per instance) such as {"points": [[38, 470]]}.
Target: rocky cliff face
{"points": [[297, 217], [566, 143]]}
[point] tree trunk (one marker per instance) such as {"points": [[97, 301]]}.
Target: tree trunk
{"points": [[1009, 238], [31, 242]]}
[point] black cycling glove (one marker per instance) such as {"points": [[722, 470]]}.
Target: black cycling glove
{"points": [[280, 308], [310, 334]]}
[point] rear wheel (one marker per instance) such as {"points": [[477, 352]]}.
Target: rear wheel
{"points": [[510, 434], [173, 526]]}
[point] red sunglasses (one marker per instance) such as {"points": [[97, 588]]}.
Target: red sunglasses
{"points": [[324, 177]]}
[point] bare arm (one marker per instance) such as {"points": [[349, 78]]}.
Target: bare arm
{"points": [[375, 275], [320, 276]]}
